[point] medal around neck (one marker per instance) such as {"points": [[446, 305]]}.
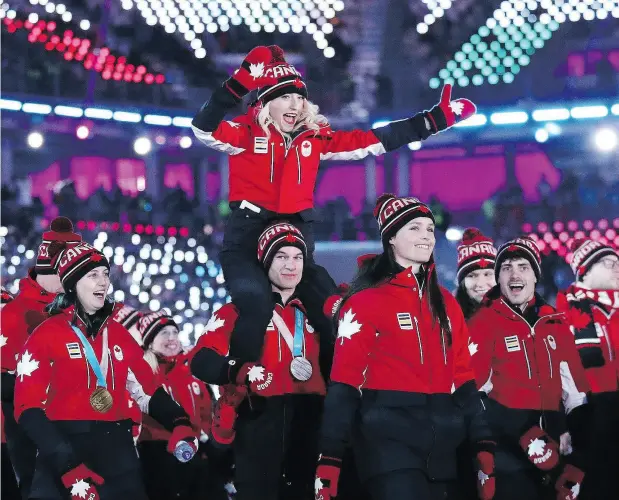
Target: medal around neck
{"points": [[301, 369], [101, 400]]}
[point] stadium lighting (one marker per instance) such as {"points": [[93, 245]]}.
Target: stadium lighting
{"points": [[606, 139], [82, 132], [35, 140], [142, 146], [185, 142]]}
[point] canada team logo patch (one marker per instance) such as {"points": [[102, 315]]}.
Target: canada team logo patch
{"points": [[405, 321], [552, 342], [196, 388], [512, 343], [308, 327], [74, 350], [306, 148], [118, 353], [261, 145]]}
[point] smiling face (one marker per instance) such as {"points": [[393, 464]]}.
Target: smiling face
{"points": [[92, 288], [517, 281], [166, 343], [478, 282], [286, 269], [604, 274], [286, 110], [414, 243]]}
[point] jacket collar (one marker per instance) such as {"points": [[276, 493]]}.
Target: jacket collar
{"points": [[30, 289], [536, 310], [101, 316], [407, 278], [293, 301]]}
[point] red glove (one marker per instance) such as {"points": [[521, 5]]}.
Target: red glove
{"points": [[222, 428], [257, 378], [81, 481], [447, 112], [568, 484], [182, 433], [486, 482], [541, 449], [250, 76], [333, 302], [327, 477]]}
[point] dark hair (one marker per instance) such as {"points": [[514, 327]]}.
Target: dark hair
{"points": [[379, 269], [467, 304], [93, 322]]}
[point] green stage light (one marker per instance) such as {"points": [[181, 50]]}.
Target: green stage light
{"points": [[508, 78]]}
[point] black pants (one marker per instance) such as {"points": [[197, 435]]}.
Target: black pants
{"points": [[166, 478], [10, 490], [107, 449], [21, 451], [249, 287], [276, 447], [409, 484], [603, 454]]}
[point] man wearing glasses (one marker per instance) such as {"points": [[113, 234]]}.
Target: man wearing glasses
{"points": [[591, 304]]}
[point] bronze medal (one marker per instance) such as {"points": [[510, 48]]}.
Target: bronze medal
{"points": [[301, 369], [101, 400]]}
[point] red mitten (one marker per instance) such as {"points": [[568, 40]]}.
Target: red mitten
{"points": [[327, 477], [486, 482], [222, 428], [333, 302], [81, 482], [568, 484], [257, 378], [250, 76], [447, 112], [541, 449], [182, 434]]}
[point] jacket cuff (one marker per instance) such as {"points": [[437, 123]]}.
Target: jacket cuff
{"points": [[214, 110], [341, 405], [166, 411], [399, 133]]}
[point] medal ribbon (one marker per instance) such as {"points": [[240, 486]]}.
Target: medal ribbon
{"points": [[295, 344], [100, 369]]}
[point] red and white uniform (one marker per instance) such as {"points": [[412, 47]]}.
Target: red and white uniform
{"points": [[53, 374], [388, 341], [276, 356], [275, 176], [189, 392], [522, 366]]}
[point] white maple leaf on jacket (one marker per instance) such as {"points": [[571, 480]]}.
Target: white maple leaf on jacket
{"points": [[348, 326], [3, 340], [256, 374], [473, 348], [537, 447], [214, 323], [256, 70], [26, 365], [80, 488]]}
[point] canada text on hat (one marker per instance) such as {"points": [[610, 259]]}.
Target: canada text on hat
{"points": [[475, 252], [127, 316], [276, 236], [289, 79], [151, 323], [394, 209], [60, 234], [76, 260], [586, 253], [528, 248]]}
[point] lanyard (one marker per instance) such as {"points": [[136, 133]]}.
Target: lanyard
{"points": [[295, 344], [100, 369]]}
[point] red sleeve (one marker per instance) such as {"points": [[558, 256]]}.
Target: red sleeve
{"points": [[574, 383], [217, 333], [350, 145], [229, 137], [15, 327], [356, 336], [33, 372], [205, 407], [463, 371], [481, 349]]}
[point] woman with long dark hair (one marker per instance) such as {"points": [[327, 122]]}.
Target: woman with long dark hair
{"points": [[402, 390], [71, 391], [476, 258]]}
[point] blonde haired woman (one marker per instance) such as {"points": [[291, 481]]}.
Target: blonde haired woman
{"points": [[275, 150]]}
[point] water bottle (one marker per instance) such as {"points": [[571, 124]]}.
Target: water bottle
{"points": [[184, 452]]}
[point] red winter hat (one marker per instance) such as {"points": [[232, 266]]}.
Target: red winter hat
{"points": [[127, 316], [75, 261], [60, 235], [586, 254], [392, 213], [151, 324], [289, 80], [520, 247], [476, 251], [277, 236], [6, 296]]}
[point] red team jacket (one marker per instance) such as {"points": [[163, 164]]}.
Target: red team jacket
{"points": [[280, 178], [53, 374], [19, 318], [606, 323], [388, 341], [276, 356], [524, 367], [189, 392]]}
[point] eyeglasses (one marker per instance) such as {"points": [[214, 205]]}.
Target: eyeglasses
{"points": [[610, 264]]}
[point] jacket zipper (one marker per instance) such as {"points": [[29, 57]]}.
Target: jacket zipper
{"points": [[109, 353], [419, 339], [193, 401], [549, 357], [272, 160], [526, 356], [444, 351], [296, 150]]}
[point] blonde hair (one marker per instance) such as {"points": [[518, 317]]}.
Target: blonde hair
{"points": [[309, 118], [151, 359]]}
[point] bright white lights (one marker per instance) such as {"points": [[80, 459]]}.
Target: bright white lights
{"points": [[185, 142], [82, 132], [606, 139], [35, 140], [142, 146]]}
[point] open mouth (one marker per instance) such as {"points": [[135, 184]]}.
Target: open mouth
{"points": [[516, 287], [290, 118], [99, 295], [172, 345], [423, 247]]}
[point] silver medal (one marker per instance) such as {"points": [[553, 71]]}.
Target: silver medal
{"points": [[301, 369]]}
